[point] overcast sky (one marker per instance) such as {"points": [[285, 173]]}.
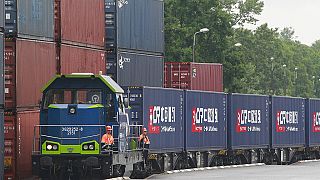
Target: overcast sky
{"points": [[302, 15]]}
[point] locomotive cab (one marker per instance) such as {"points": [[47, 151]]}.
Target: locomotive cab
{"points": [[74, 112]]}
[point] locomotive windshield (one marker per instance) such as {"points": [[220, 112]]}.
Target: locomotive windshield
{"points": [[72, 96]]}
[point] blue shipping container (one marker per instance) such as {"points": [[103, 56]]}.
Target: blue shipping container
{"points": [[248, 121], [313, 122], [161, 112], [288, 122], [206, 120], [10, 18]]}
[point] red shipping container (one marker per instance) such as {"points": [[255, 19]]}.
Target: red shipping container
{"points": [[194, 76], [75, 59], [82, 22], [35, 66], [26, 121], [9, 159], [10, 74]]}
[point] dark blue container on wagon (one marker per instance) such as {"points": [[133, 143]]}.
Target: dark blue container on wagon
{"points": [[287, 122], [161, 112], [312, 122], [248, 121], [205, 121]]}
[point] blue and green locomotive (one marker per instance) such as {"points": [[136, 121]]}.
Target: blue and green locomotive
{"points": [[74, 112]]}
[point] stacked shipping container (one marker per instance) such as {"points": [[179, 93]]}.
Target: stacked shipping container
{"points": [[135, 41], [44, 38], [1, 88]]}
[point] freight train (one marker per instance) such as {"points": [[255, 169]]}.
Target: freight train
{"points": [[187, 129]]}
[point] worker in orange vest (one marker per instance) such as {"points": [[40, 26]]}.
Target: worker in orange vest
{"points": [[144, 139], [107, 138]]}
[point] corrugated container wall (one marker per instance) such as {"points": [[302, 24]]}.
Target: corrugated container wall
{"points": [[1, 143], [9, 145], [161, 112], [10, 74], [82, 21], [248, 121], [1, 70], [81, 60], [25, 131], [36, 18], [35, 66], [288, 122], [139, 70], [313, 122], [2, 15], [141, 25], [194, 76], [10, 18], [206, 121]]}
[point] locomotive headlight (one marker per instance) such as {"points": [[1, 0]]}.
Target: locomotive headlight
{"points": [[54, 147], [72, 110], [85, 147], [91, 147], [49, 147]]}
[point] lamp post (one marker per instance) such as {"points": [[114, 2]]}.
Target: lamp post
{"points": [[203, 30], [272, 75], [285, 88]]}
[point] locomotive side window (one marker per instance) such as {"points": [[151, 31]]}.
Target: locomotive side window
{"points": [[111, 116]]}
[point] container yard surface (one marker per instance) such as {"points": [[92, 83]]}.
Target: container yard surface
{"points": [[141, 25], [288, 122], [86, 18], [35, 66], [139, 70], [194, 76], [36, 18], [74, 59], [313, 122], [162, 115], [205, 120], [248, 121]]}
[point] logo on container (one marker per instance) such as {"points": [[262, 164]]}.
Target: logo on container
{"points": [[161, 119], [316, 122], [203, 119], [123, 60], [121, 3], [286, 121], [247, 120]]}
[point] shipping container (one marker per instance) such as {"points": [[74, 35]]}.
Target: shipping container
{"points": [[2, 14], [2, 134], [288, 122], [82, 22], [35, 66], [25, 131], [248, 121], [137, 70], [205, 121], [9, 145], [313, 122], [10, 18], [10, 74], [135, 24], [161, 112], [1, 70], [36, 19], [75, 59], [194, 76]]}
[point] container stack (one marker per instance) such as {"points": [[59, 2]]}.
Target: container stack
{"points": [[1, 88], [135, 41], [44, 38], [194, 76]]}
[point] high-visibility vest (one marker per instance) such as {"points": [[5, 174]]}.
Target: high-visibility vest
{"points": [[107, 139]]}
